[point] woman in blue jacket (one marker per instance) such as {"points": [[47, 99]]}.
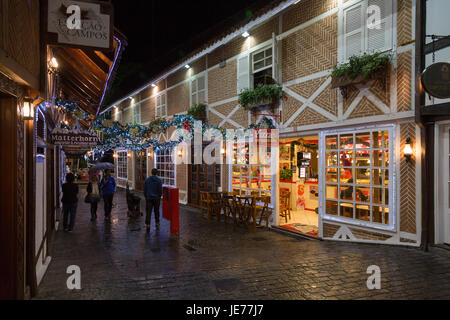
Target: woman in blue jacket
{"points": [[108, 189]]}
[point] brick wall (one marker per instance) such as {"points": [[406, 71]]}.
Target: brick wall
{"points": [[310, 50], [306, 10], [178, 99], [222, 82]]}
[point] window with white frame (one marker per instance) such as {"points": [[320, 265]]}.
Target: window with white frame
{"points": [[122, 165], [262, 66], [359, 176], [161, 106], [137, 113], [165, 166], [363, 31], [198, 90], [251, 171]]}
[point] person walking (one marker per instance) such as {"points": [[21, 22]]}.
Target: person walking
{"points": [[70, 202], [108, 189], [152, 193], [93, 191]]}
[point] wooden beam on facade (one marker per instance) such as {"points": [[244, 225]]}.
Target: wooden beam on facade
{"points": [[438, 45], [442, 109]]}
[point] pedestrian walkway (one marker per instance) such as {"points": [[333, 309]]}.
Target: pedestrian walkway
{"points": [[118, 260]]}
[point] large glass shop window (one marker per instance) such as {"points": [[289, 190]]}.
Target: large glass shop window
{"points": [[251, 171], [359, 175]]}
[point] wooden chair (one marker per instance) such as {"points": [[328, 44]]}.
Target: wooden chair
{"points": [[264, 210], [285, 205], [204, 204]]}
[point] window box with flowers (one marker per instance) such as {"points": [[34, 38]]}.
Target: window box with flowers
{"points": [[361, 69], [264, 96], [198, 111]]}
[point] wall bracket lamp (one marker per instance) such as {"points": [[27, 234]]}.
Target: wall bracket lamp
{"points": [[408, 151]]}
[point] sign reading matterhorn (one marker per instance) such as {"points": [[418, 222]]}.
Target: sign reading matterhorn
{"points": [[75, 137], [80, 24]]}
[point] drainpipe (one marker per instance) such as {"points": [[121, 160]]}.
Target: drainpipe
{"points": [[426, 129]]}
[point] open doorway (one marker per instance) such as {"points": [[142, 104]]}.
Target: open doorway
{"points": [[299, 185]]}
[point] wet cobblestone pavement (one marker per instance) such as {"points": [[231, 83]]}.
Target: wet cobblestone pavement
{"points": [[118, 260]]}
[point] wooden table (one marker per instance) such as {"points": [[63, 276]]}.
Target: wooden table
{"points": [[246, 203]]}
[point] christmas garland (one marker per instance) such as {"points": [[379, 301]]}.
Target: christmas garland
{"points": [[138, 137]]}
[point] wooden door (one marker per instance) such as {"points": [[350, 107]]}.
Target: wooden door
{"points": [[141, 170], [202, 177], [8, 198]]}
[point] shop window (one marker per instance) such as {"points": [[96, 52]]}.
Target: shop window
{"points": [[198, 90], [361, 32], [122, 165], [165, 166], [358, 172], [251, 171], [161, 106]]}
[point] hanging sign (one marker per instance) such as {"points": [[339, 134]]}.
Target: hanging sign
{"points": [[64, 137], [80, 24], [436, 80]]}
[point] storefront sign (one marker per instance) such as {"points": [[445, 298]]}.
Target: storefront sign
{"points": [[80, 24], [436, 80], [63, 137]]}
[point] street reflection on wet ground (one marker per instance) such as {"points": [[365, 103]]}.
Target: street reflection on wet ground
{"points": [[119, 260]]}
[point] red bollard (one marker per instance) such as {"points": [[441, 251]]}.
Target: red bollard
{"points": [[171, 209]]}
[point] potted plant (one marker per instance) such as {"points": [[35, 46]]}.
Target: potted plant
{"points": [[286, 174], [360, 69], [264, 95], [198, 111]]}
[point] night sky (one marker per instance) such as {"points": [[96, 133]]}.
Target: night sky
{"points": [[161, 32]]}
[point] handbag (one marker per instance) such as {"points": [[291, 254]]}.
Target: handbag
{"points": [[87, 199]]}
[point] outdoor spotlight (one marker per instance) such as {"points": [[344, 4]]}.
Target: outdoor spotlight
{"points": [[153, 85], [246, 34], [28, 110], [408, 151], [187, 66]]}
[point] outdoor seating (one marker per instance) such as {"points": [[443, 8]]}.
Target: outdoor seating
{"points": [[264, 210], [285, 205]]}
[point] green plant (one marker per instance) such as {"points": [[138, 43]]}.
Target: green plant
{"points": [[197, 111], [365, 66], [286, 174], [262, 94]]}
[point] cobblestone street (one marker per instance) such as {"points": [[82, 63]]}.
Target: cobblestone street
{"points": [[213, 261]]}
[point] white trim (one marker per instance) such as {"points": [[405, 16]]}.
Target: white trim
{"points": [[393, 221]]}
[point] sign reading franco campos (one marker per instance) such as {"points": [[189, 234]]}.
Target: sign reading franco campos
{"points": [[81, 138], [436, 80], [80, 24]]}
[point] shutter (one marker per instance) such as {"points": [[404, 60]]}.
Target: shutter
{"points": [[243, 73], [275, 73], [380, 39], [353, 31]]}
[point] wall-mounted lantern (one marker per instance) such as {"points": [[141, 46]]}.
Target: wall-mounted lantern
{"points": [[28, 110], [408, 151]]}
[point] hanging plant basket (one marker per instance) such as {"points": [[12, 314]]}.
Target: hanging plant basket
{"points": [[361, 69]]}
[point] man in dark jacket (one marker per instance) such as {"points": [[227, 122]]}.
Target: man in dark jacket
{"points": [[70, 202], [153, 193]]}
